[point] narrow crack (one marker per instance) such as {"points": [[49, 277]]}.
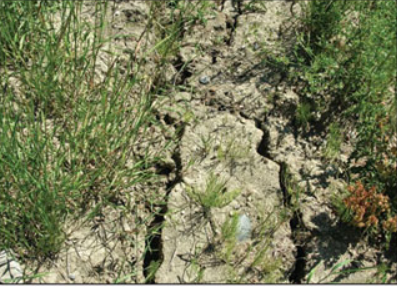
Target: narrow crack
{"points": [[183, 72], [232, 24], [222, 5], [214, 55], [297, 229], [154, 243]]}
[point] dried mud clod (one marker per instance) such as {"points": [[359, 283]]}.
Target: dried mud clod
{"points": [[222, 145]]}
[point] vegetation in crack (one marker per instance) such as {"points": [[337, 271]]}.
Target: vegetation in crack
{"points": [[292, 194]]}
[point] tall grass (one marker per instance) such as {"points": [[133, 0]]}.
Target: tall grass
{"points": [[67, 129]]}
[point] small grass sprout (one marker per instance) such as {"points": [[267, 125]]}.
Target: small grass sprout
{"points": [[215, 194]]}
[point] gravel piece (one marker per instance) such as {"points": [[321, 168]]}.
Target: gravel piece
{"points": [[204, 80]]}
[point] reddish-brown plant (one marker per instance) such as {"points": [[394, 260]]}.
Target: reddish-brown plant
{"points": [[370, 209]]}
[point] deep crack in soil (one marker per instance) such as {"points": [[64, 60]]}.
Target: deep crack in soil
{"points": [[154, 243], [297, 227]]}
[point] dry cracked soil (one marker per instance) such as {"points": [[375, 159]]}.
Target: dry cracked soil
{"points": [[233, 121]]}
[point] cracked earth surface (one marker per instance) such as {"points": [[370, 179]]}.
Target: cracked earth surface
{"points": [[232, 100]]}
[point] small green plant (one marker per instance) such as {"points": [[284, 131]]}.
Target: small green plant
{"points": [[292, 188], [334, 141], [229, 229], [215, 195], [206, 146], [151, 271], [255, 6], [303, 115], [232, 151], [195, 269], [337, 270], [125, 279], [381, 274], [199, 270]]}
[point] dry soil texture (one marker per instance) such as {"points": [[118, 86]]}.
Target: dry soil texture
{"points": [[233, 120]]}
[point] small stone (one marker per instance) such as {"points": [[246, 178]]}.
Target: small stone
{"points": [[72, 277], [243, 228], [204, 80]]}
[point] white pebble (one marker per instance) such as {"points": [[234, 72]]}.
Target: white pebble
{"points": [[72, 277], [243, 228], [204, 79]]}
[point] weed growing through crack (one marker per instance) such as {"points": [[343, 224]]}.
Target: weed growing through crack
{"points": [[293, 190], [152, 269]]}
